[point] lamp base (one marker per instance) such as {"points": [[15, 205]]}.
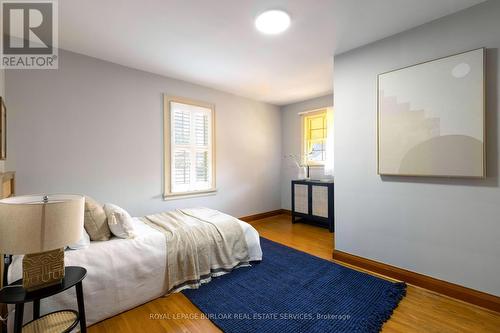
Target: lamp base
{"points": [[43, 269]]}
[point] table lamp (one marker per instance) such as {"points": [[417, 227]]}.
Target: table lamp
{"points": [[40, 227]]}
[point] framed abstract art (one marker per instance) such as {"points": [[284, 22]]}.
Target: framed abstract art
{"points": [[431, 118]]}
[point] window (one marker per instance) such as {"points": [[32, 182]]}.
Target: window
{"points": [[315, 134], [189, 147]]}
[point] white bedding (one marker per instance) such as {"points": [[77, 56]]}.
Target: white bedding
{"points": [[121, 273]]}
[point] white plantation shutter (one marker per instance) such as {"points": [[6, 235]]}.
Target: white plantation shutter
{"points": [[191, 141], [182, 127], [202, 166], [202, 147], [182, 168], [201, 129]]}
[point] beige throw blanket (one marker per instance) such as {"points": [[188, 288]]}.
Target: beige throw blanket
{"points": [[201, 243]]}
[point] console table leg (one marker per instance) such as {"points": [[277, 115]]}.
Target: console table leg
{"points": [[81, 307], [36, 309], [18, 318]]}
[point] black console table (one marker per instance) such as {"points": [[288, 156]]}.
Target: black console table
{"points": [[312, 201], [14, 293]]}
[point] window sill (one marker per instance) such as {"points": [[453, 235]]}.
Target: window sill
{"points": [[187, 195], [316, 166]]}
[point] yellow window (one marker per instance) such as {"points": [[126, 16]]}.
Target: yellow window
{"points": [[315, 131]]}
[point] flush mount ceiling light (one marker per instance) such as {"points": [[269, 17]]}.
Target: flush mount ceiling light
{"points": [[272, 22]]}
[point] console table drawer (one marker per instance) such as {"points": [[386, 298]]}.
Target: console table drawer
{"points": [[320, 201], [301, 199]]}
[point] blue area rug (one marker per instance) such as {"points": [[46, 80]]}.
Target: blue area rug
{"points": [[292, 291]]}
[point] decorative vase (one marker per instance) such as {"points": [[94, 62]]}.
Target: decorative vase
{"points": [[302, 173]]}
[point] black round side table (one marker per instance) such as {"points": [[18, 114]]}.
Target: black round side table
{"points": [[14, 293]]}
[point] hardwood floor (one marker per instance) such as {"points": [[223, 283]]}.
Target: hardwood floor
{"points": [[419, 311]]}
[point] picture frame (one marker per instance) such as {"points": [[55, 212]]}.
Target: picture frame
{"points": [[431, 118]]}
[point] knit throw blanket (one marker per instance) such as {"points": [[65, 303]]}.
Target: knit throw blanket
{"points": [[201, 243]]}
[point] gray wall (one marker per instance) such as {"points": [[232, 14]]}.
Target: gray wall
{"points": [[2, 93], [291, 138], [95, 127], [448, 229]]}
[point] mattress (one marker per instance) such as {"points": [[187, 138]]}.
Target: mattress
{"points": [[121, 273]]}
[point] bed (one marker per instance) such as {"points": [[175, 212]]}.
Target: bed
{"points": [[121, 273]]}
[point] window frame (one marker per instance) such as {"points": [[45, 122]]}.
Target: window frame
{"points": [[304, 141], [167, 144]]}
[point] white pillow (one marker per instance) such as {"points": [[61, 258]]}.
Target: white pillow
{"points": [[83, 243], [119, 221]]}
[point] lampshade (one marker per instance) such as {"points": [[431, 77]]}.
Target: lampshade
{"points": [[28, 224]]}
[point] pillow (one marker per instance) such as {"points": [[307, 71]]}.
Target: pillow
{"points": [[119, 221], [83, 243], [95, 220]]}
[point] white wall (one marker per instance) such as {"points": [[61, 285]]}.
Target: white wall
{"points": [[448, 229], [95, 127], [291, 131]]}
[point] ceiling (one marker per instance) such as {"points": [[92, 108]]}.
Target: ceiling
{"points": [[214, 42]]}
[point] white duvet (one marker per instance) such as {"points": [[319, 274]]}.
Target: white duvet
{"points": [[121, 273]]}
